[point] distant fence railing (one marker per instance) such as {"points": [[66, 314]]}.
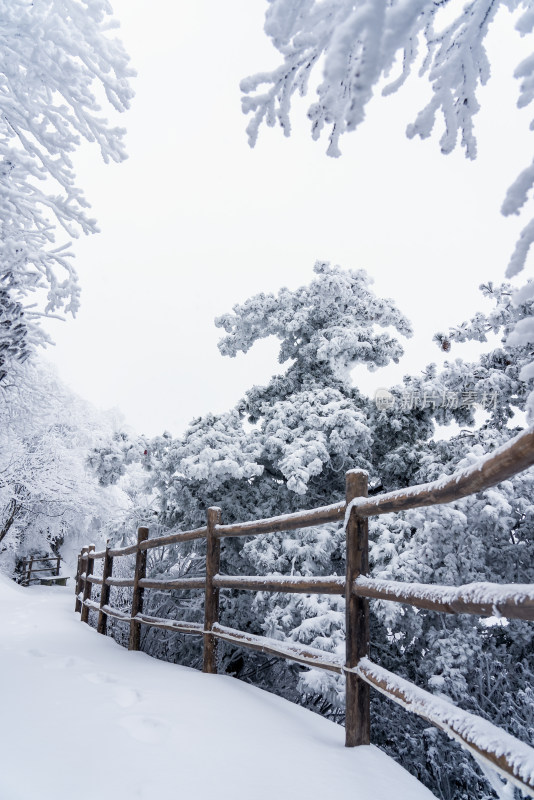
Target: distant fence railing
{"points": [[28, 570], [513, 759]]}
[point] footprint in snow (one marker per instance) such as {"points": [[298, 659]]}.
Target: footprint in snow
{"points": [[65, 663], [100, 677], [144, 728], [126, 697]]}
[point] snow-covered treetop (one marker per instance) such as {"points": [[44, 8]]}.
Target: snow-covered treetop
{"points": [[331, 322], [310, 418]]}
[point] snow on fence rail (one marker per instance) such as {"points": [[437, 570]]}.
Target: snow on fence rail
{"points": [[513, 759]]}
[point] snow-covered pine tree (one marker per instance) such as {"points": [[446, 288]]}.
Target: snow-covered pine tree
{"points": [[110, 458], [303, 431]]}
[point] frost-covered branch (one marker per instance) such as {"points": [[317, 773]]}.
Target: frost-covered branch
{"points": [[56, 58], [358, 45]]}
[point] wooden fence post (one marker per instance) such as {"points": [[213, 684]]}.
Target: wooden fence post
{"points": [[81, 559], [29, 574], [89, 566], [357, 709], [138, 591], [58, 563], [107, 572], [211, 603]]}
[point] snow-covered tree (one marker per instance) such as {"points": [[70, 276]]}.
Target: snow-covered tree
{"points": [[311, 419], [363, 44], [58, 63], [110, 458], [48, 495], [287, 445]]}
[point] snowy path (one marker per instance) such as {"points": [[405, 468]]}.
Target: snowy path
{"points": [[80, 717]]}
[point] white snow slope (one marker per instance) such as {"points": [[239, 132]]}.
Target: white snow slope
{"points": [[81, 717]]}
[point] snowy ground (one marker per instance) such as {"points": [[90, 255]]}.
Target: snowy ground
{"points": [[80, 717]]}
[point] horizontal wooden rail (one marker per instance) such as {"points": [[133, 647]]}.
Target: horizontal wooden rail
{"points": [[170, 624], [44, 569], [282, 583], [174, 538], [160, 541], [177, 626], [119, 581], [515, 601], [285, 522], [309, 656], [505, 462], [88, 603], [123, 551], [175, 583], [123, 616], [109, 581], [111, 612], [513, 759], [45, 558]]}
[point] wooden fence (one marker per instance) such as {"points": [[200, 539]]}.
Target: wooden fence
{"points": [[28, 569], [513, 759]]}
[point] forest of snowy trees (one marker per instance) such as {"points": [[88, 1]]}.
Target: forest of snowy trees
{"points": [[69, 474], [287, 446]]}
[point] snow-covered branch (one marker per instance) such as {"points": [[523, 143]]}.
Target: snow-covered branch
{"points": [[56, 59]]}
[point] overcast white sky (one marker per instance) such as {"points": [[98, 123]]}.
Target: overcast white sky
{"points": [[196, 221]]}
